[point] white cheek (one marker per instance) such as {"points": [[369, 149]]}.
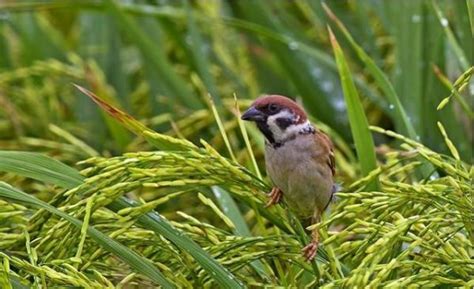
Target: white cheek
{"points": [[281, 135], [274, 128], [278, 134]]}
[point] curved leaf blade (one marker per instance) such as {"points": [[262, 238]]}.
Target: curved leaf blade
{"points": [[359, 125], [399, 112], [39, 167]]}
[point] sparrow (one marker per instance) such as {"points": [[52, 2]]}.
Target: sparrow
{"points": [[299, 160]]}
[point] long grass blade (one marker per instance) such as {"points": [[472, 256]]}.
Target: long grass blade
{"points": [[199, 56], [39, 167], [470, 13], [460, 55], [221, 128], [396, 109], [399, 114], [243, 130], [156, 56], [359, 125]]}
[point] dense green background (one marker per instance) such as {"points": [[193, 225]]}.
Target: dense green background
{"points": [[161, 60]]}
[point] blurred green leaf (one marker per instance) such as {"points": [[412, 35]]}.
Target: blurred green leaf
{"points": [[39, 167], [359, 125], [399, 114], [153, 52], [396, 108], [460, 56]]}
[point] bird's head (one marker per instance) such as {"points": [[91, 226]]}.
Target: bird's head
{"points": [[278, 117]]}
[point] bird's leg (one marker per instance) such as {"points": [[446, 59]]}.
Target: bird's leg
{"points": [[275, 197], [310, 250]]}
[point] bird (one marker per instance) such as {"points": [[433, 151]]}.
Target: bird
{"points": [[299, 160]]}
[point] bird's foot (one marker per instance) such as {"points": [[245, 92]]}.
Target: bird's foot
{"points": [[275, 197], [310, 250]]}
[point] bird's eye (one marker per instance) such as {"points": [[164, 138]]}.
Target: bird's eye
{"points": [[272, 107]]}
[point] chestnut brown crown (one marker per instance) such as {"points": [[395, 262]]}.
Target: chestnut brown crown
{"points": [[275, 103]]}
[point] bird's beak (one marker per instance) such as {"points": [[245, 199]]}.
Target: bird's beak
{"points": [[253, 114]]}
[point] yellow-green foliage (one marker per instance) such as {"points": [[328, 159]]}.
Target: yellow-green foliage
{"points": [[408, 233], [182, 203]]}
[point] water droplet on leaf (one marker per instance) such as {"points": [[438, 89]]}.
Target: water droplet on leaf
{"points": [[444, 22], [415, 18], [293, 45]]}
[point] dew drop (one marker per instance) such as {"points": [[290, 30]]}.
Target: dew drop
{"points": [[434, 176], [327, 86], [415, 18], [339, 104], [316, 72], [444, 22], [391, 106], [188, 40], [4, 16], [293, 45]]}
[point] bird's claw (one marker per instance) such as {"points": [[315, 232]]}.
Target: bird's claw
{"points": [[310, 250], [275, 197]]}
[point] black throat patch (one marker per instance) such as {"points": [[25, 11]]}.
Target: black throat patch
{"points": [[265, 129]]}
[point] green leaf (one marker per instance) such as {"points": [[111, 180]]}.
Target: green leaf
{"points": [[137, 262], [16, 284], [396, 109], [461, 57], [399, 114], [39, 167], [229, 207], [154, 53], [199, 56], [359, 125], [470, 12]]}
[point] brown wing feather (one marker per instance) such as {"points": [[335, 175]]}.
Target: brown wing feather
{"points": [[326, 143]]}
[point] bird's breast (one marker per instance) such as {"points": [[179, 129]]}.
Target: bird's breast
{"points": [[305, 182]]}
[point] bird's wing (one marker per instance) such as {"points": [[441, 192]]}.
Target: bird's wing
{"points": [[325, 142]]}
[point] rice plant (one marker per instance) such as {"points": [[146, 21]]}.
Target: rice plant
{"points": [[124, 162]]}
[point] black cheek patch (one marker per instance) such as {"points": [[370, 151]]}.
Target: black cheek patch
{"points": [[284, 122]]}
